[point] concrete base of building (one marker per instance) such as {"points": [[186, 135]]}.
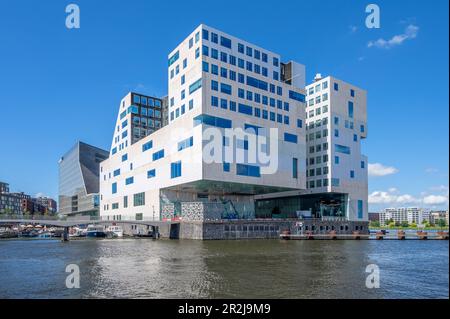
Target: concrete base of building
{"points": [[257, 229]]}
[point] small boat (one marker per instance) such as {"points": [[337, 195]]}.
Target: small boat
{"points": [[45, 235], [116, 230], [77, 232], [97, 231]]}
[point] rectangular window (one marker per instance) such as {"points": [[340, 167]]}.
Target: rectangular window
{"points": [[363, 164], [296, 96], [225, 42], [205, 50], [139, 199], [223, 57], [223, 104], [294, 168], [212, 120], [245, 109], [175, 169], [114, 188], [226, 167], [248, 170], [342, 149], [249, 51], [360, 209], [116, 172], [205, 66], [197, 53], [125, 201], [205, 34], [299, 123], [129, 181], [158, 155], [336, 160], [352, 174], [124, 157], [336, 87], [225, 88], [291, 138], [147, 146], [214, 54], [214, 85], [174, 58], [214, 69], [240, 48], [352, 93], [195, 86], [189, 142], [214, 37], [151, 173], [350, 109]]}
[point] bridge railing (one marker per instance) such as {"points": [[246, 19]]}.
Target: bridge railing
{"points": [[28, 217]]}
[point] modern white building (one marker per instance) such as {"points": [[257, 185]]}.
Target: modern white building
{"points": [[228, 101], [337, 181], [240, 141], [404, 214]]}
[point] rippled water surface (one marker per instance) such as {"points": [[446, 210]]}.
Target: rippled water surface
{"points": [[145, 268]]}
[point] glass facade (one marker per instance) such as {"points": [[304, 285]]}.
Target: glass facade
{"points": [[318, 205], [79, 180]]}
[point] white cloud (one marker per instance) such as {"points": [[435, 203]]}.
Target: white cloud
{"points": [[381, 197], [431, 170], [409, 33], [378, 169], [40, 195], [391, 198], [435, 199]]}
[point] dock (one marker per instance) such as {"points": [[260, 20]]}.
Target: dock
{"points": [[400, 235]]}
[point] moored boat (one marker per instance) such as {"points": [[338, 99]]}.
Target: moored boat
{"points": [[96, 231], [117, 231]]}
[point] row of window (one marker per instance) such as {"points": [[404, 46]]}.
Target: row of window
{"points": [[252, 111], [240, 63], [146, 101], [241, 48]]}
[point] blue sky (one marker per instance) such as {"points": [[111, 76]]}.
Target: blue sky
{"points": [[58, 86]]}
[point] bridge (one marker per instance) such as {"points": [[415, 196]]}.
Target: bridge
{"points": [[71, 222]]}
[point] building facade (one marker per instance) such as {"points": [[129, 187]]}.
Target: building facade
{"points": [[240, 141], [217, 83], [404, 214], [79, 172], [337, 176]]}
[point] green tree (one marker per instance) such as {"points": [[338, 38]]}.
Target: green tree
{"points": [[405, 224], [413, 225], [391, 225], [442, 223], [375, 223]]}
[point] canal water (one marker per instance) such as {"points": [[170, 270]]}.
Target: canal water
{"points": [[130, 268]]}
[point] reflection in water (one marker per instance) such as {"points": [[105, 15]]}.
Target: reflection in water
{"points": [[223, 269]]}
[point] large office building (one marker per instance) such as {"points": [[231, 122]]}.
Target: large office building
{"points": [[235, 145], [79, 180]]}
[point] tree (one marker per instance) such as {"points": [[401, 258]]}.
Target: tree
{"points": [[405, 224], [442, 223], [397, 224], [413, 225], [375, 223], [391, 225]]}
